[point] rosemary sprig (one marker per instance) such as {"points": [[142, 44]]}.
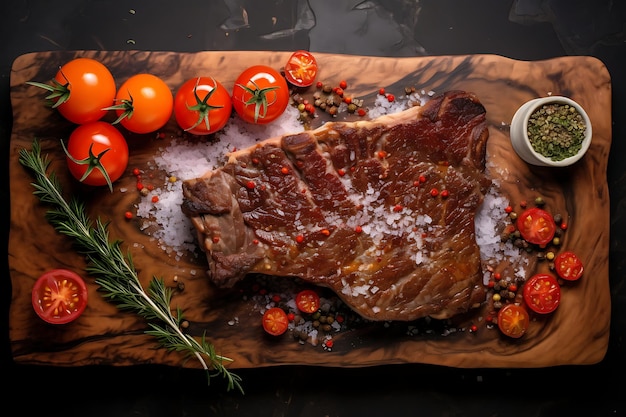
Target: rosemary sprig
{"points": [[115, 273]]}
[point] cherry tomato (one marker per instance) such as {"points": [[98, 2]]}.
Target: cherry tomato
{"points": [[59, 296], [536, 226], [260, 94], [202, 106], [301, 69], [542, 293], [97, 153], [568, 266], [144, 103], [513, 320], [308, 301], [275, 321], [81, 90]]}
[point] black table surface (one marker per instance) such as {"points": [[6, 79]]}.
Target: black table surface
{"points": [[519, 29]]}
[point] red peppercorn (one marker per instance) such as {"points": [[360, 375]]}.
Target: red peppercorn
{"points": [[397, 208], [497, 276], [326, 232], [343, 84], [341, 172], [382, 154], [381, 91], [139, 186], [276, 298], [422, 178], [361, 112], [291, 316], [391, 98], [508, 209], [358, 229], [434, 192], [473, 328], [128, 215], [299, 238], [445, 193], [155, 198], [216, 239], [319, 85], [284, 170], [136, 172], [250, 185]]}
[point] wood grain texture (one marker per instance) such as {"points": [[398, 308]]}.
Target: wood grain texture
{"points": [[577, 333]]}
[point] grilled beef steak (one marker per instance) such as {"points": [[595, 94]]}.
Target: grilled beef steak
{"points": [[382, 211]]}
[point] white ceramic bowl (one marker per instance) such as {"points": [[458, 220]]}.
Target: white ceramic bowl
{"points": [[519, 132]]}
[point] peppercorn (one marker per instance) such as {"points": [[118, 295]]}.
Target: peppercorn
{"points": [[556, 131]]}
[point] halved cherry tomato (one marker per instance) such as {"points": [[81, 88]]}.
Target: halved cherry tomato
{"points": [[260, 94], [59, 296], [275, 321], [542, 293], [513, 320], [536, 226], [202, 106], [144, 103], [81, 90], [301, 69], [568, 266], [308, 301], [97, 154]]}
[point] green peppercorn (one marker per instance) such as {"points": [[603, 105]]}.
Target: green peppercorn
{"points": [[556, 131]]}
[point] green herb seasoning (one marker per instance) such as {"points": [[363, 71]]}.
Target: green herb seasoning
{"points": [[556, 131]]}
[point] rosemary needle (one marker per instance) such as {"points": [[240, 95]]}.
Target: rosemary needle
{"points": [[115, 273]]}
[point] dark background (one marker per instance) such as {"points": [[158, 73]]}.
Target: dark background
{"points": [[521, 29]]}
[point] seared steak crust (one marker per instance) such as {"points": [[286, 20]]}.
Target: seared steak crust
{"points": [[382, 211]]}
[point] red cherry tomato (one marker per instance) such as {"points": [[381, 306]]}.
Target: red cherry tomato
{"points": [[301, 69], [513, 320], [308, 301], [542, 293], [568, 266], [81, 90], [536, 226], [59, 296], [275, 321], [202, 106], [97, 140], [144, 103], [260, 94]]}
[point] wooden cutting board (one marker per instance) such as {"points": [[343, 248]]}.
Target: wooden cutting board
{"points": [[577, 333]]}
